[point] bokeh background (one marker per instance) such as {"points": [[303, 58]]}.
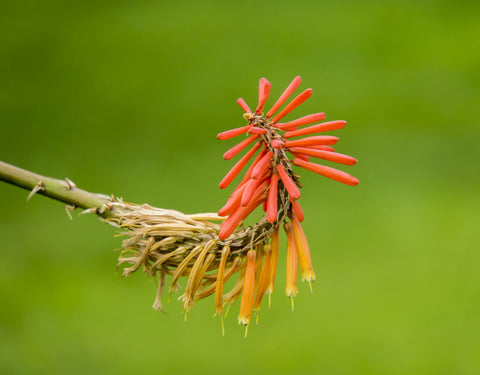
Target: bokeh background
{"points": [[127, 97]]}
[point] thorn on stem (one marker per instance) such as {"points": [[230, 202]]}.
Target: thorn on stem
{"points": [[36, 189], [70, 184], [93, 210], [68, 209]]}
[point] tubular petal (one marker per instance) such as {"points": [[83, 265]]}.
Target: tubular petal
{"points": [[277, 144], [293, 104], [233, 202], [301, 121], [238, 166], [274, 262], [246, 304], [285, 95], [297, 210], [263, 279], [272, 209], [255, 130], [236, 149], [300, 156], [233, 132], [303, 250], [220, 280], [244, 105], [313, 141], [326, 155], [248, 173], [250, 188], [325, 127], [292, 189], [263, 93], [292, 263], [262, 165], [321, 147], [332, 173], [229, 225]]}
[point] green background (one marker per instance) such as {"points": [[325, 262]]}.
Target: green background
{"points": [[127, 98]]}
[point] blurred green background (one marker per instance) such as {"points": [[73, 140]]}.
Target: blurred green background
{"points": [[127, 98]]}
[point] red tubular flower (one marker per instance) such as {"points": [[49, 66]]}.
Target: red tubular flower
{"points": [[272, 163], [270, 179]]}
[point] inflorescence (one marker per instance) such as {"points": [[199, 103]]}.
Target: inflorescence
{"points": [[167, 242]]}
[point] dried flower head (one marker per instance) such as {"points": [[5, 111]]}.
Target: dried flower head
{"points": [[208, 254]]}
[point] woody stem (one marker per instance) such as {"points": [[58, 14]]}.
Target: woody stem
{"points": [[63, 191]]}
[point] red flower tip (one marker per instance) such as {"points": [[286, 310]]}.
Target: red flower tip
{"points": [[272, 208], [313, 141], [236, 149], [297, 210], [263, 93], [292, 189], [255, 130], [244, 105], [233, 132], [323, 170], [293, 104], [325, 155], [277, 144], [325, 127], [285, 95], [262, 165], [238, 167], [301, 121]]}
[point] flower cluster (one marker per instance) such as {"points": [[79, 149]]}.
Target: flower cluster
{"points": [[271, 181]]}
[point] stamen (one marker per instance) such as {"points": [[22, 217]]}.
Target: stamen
{"points": [[285, 95], [312, 141], [292, 189], [272, 209], [236, 149], [305, 120], [244, 105], [323, 170], [229, 177], [325, 155], [233, 132], [325, 127], [293, 104]]}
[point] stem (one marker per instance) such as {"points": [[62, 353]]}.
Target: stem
{"points": [[63, 191]]}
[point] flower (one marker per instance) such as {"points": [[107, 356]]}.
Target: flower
{"points": [[271, 181], [270, 178]]}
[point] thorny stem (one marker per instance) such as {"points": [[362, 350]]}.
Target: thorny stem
{"points": [[63, 191]]}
